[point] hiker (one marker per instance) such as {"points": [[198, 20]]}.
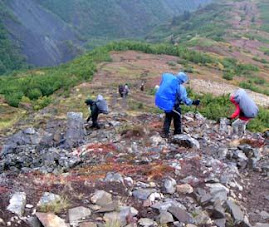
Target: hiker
{"points": [[246, 109], [125, 90], [142, 86], [95, 108], [121, 90], [169, 96]]}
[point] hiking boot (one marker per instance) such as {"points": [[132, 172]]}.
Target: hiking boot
{"points": [[164, 135], [177, 133], [95, 126]]}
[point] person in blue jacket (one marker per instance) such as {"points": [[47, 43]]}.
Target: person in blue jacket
{"points": [[181, 98]]}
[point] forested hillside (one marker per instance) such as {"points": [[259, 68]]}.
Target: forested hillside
{"points": [[52, 32], [10, 56], [117, 19]]}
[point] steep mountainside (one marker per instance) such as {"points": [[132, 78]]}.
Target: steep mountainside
{"points": [[118, 18], [43, 37], [236, 31], [50, 32], [10, 57]]}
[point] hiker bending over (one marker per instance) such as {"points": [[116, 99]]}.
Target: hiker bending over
{"points": [[169, 96], [245, 110], [125, 90], [95, 108]]}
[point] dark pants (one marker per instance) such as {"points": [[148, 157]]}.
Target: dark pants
{"points": [[95, 114], [177, 121]]}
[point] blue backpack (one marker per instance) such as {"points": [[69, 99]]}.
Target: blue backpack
{"points": [[166, 95]]}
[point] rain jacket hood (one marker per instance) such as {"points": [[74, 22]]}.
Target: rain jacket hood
{"points": [[182, 77]]}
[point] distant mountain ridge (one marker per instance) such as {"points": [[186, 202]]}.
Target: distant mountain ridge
{"points": [[40, 29]]}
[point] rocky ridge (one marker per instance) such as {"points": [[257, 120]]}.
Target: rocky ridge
{"points": [[125, 174]]}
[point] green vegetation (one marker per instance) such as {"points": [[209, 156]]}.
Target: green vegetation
{"points": [[10, 57], [264, 9], [208, 22], [39, 85], [216, 107], [56, 207], [108, 19], [251, 84], [233, 67]]}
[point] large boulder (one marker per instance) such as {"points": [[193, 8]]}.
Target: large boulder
{"points": [[186, 141], [75, 131]]}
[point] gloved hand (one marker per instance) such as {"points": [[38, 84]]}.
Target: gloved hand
{"points": [[196, 102]]}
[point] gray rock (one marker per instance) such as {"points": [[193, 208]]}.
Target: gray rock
{"points": [[186, 141], [247, 149], [143, 194], [202, 218], [146, 222], [190, 180], [29, 131], [34, 222], [114, 219], [101, 198], [235, 210], [113, 177], [184, 189], [216, 211], [218, 191], [264, 215], [2, 222], [220, 222], [261, 225], [221, 153], [265, 168], [50, 220], [17, 203], [170, 185], [156, 140], [47, 199], [165, 217], [108, 207], [164, 206], [181, 215], [223, 126], [77, 214], [88, 224], [75, 132], [127, 210]]}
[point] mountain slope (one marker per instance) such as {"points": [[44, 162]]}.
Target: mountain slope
{"points": [[10, 56], [235, 31], [118, 19], [52, 32], [43, 37]]}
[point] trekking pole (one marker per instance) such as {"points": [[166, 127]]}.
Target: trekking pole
{"points": [[110, 124], [195, 111]]}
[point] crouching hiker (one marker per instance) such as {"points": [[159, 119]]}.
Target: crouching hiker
{"points": [[95, 108], [246, 109], [170, 94]]}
